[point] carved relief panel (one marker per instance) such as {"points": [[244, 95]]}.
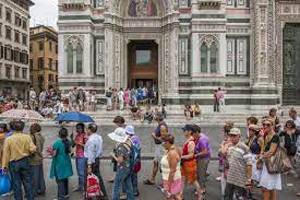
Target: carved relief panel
{"points": [[100, 54], [183, 56]]}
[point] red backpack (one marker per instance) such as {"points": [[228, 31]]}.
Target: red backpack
{"points": [[93, 187]]}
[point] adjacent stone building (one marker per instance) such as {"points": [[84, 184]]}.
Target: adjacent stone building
{"points": [[184, 48], [14, 47], [43, 58]]}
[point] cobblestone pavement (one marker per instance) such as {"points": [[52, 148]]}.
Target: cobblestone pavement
{"points": [[151, 192]]}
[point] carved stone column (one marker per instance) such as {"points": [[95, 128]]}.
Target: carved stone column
{"points": [[263, 41], [109, 55]]}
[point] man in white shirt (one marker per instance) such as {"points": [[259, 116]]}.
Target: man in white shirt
{"points": [[121, 99], [294, 116], [93, 149]]}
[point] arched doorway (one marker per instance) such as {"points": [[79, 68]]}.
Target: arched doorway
{"points": [[291, 64], [142, 64]]}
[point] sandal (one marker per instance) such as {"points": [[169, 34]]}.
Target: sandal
{"points": [[148, 182]]}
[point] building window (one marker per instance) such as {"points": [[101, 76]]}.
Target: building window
{"points": [[24, 39], [74, 56], [17, 55], [237, 56], [41, 46], [17, 72], [69, 54], [24, 73], [50, 63], [238, 3], [1, 10], [24, 25], [56, 49], [8, 71], [209, 56], [30, 47], [204, 52], [0, 29], [8, 33], [8, 53], [50, 78], [1, 51], [56, 65], [41, 63], [79, 55], [50, 46], [17, 37], [31, 63], [18, 20], [213, 58], [8, 15]]}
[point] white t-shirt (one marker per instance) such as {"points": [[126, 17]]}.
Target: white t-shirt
{"points": [[121, 95], [297, 122]]}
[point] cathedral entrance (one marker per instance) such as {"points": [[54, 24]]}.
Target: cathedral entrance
{"points": [[291, 65], [143, 64]]}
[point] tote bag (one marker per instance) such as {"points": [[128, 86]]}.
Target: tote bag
{"points": [[278, 163], [5, 183]]}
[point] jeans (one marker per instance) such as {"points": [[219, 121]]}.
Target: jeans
{"points": [[62, 188], [96, 171], [123, 176], [39, 186], [20, 173], [134, 180], [80, 167]]}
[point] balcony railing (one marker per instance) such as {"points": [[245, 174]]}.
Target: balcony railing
{"points": [[74, 4]]}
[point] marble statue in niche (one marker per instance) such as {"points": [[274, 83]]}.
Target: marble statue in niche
{"points": [[141, 8]]}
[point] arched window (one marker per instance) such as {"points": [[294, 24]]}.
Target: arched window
{"points": [[204, 56], [79, 56], [213, 58], [69, 54]]}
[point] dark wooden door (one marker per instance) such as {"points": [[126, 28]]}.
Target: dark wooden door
{"points": [[291, 64], [142, 63]]}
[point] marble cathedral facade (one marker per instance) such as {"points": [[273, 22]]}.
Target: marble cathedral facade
{"points": [[184, 48]]}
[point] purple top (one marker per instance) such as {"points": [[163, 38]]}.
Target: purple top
{"points": [[201, 144]]}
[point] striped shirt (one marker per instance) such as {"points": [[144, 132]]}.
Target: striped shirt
{"points": [[239, 158]]}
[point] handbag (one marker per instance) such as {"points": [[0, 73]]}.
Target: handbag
{"points": [[5, 183], [278, 163]]}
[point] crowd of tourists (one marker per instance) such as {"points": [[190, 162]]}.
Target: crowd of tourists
{"points": [[130, 97], [243, 164]]}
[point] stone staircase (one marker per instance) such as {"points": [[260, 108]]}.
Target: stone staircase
{"points": [[175, 116]]}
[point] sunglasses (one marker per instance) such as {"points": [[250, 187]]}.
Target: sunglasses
{"points": [[267, 125]]}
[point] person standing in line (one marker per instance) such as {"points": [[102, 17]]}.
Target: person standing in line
{"points": [[221, 99], [32, 98], [170, 167], [135, 139], [121, 99], [216, 101], [92, 152], [108, 95], [188, 162], [36, 160], [239, 177], [127, 97], [16, 152], [124, 156], [269, 182], [294, 116], [93, 101], [79, 141], [203, 155], [61, 166], [157, 136], [255, 143]]}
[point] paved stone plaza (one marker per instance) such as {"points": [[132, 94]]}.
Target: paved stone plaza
{"points": [[151, 192]]}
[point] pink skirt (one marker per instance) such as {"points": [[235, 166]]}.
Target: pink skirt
{"points": [[176, 186]]}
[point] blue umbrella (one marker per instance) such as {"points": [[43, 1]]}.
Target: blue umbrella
{"points": [[74, 117]]}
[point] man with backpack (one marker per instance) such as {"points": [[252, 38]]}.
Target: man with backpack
{"points": [[124, 155]]}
